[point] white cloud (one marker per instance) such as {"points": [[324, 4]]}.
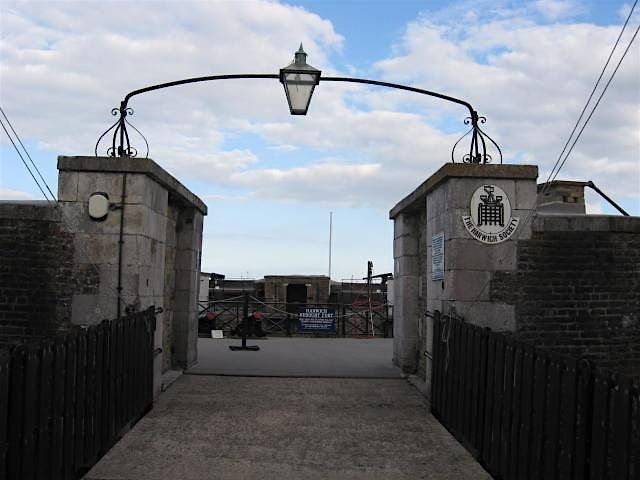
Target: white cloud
{"points": [[226, 198], [592, 206], [216, 166], [283, 148], [556, 9], [527, 66], [325, 183], [623, 13], [66, 64], [10, 194], [531, 85]]}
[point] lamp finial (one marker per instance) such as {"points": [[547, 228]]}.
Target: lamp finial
{"points": [[300, 56]]}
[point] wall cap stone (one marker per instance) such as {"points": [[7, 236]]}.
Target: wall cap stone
{"points": [[144, 166], [415, 199], [295, 277], [549, 222], [29, 210]]}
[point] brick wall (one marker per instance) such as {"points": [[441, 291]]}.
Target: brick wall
{"points": [[577, 289], [36, 271]]}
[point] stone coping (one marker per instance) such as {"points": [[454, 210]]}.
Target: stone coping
{"points": [[145, 166], [295, 275], [561, 183], [29, 210], [462, 170], [550, 222]]}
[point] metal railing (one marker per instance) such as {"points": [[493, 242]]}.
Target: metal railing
{"points": [[281, 319]]}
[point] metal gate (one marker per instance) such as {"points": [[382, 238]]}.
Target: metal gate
{"points": [[352, 320]]}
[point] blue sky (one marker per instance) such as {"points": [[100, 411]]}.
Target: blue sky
{"points": [[269, 179]]}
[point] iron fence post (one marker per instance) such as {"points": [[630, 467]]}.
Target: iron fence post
{"points": [[245, 328]]}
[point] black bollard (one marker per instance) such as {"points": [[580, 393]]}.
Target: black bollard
{"points": [[245, 328]]}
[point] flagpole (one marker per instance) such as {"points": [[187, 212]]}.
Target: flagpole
{"points": [[330, 239]]}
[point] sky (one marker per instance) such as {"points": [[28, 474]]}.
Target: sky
{"points": [[270, 179]]}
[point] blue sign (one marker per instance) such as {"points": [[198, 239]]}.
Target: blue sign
{"points": [[316, 319]]}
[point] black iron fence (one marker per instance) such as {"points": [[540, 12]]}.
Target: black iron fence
{"points": [[528, 414], [281, 319], [64, 401]]}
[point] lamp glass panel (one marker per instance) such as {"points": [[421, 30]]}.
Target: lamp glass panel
{"points": [[299, 89]]}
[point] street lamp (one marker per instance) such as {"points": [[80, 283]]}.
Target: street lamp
{"points": [[299, 80]]}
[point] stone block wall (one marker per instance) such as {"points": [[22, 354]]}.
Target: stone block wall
{"points": [[169, 289], [36, 271], [59, 266], [469, 264], [437, 207], [161, 224], [409, 269], [567, 282], [187, 285], [97, 242], [576, 289]]}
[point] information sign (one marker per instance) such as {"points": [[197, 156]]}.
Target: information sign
{"points": [[316, 319], [437, 256]]}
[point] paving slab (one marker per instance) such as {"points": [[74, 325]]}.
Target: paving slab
{"points": [[299, 357], [228, 428]]}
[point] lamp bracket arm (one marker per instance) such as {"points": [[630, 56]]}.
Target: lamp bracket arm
{"points": [[478, 148], [472, 113], [120, 145], [194, 80]]}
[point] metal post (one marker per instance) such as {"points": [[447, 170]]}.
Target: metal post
{"points": [[330, 238], [245, 320], [370, 313], [386, 321], [344, 320], [591, 185], [245, 328]]}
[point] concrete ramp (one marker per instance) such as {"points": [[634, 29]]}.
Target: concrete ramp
{"points": [[299, 357], [239, 428]]}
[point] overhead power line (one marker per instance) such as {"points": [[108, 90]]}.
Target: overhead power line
{"points": [[24, 161], [560, 162], [586, 122], [65, 217], [35, 167]]}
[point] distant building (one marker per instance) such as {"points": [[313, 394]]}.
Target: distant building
{"points": [[298, 289], [203, 292], [308, 289], [561, 196]]}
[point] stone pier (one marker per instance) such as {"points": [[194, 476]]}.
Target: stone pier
{"points": [[159, 222], [468, 258]]}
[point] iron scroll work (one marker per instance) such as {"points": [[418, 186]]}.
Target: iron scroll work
{"points": [[121, 144]]}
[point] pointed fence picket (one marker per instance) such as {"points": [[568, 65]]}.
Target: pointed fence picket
{"points": [[526, 413], [65, 401]]}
